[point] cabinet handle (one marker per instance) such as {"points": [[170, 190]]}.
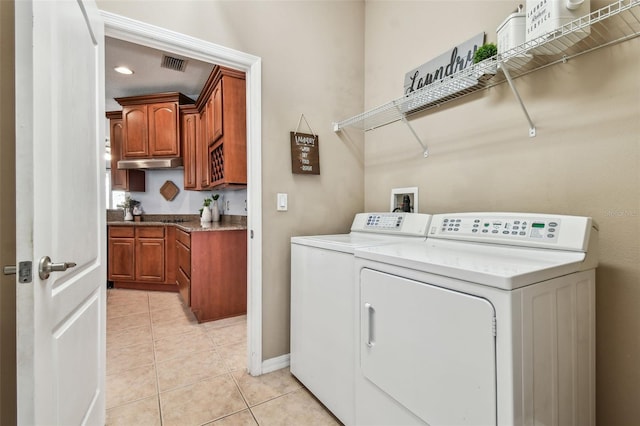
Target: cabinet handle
{"points": [[370, 324]]}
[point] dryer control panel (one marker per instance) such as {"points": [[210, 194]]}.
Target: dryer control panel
{"points": [[531, 230]]}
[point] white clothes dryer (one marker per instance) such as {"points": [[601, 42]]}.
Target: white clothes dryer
{"points": [[323, 303], [490, 321]]}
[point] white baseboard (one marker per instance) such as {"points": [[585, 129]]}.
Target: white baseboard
{"points": [[273, 364]]}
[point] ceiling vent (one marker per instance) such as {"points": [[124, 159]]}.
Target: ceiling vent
{"points": [[172, 63]]}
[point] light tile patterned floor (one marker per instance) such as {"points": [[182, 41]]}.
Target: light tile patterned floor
{"points": [[163, 368]]}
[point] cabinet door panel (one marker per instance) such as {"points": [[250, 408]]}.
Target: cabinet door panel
{"points": [[184, 286], [183, 237], [134, 119], [121, 232], [184, 258], [217, 115], [149, 231], [163, 129], [122, 180], [118, 177], [121, 262], [203, 150], [189, 136], [150, 259]]}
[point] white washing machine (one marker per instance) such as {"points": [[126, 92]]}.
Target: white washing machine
{"points": [[323, 303], [490, 321]]}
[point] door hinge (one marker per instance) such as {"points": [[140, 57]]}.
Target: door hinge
{"points": [[494, 326]]}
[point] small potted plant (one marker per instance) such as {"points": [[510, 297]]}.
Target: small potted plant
{"points": [[128, 204], [487, 52], [205, 217]]}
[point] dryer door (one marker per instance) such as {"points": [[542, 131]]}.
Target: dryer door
{"points": [[430, 349]]}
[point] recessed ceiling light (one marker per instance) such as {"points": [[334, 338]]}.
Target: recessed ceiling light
{"points": [[123, 70]]}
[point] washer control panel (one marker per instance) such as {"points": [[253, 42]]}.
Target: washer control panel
{"points": [[384, 221], [412, 224], [552, 231]]}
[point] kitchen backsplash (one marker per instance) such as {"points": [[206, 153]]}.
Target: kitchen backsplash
{"points": [[186, 202]]}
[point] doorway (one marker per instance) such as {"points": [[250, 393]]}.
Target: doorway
{"points": [[158, 38]]}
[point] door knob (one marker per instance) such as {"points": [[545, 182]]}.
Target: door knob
{"points": [[46, 267]]}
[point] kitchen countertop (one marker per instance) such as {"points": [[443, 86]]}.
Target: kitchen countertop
{"points": [[191, 226], [188, 223]]}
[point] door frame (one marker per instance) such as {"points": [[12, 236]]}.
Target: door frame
{"points": [[137, 32]]}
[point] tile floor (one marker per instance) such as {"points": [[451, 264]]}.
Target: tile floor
{"points": [[163, 368]]}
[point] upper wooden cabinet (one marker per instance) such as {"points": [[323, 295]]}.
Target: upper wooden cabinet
{"points": [[222, 106], [191, 140], [216, 105], [123, 180], [151, 125]]}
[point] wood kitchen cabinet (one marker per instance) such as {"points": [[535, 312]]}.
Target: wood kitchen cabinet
{"points": [[151, 125], [121, 251], [142, 257], [191, 146], [121, 180], [183, 262], [212, 272], [149, 255], [222, 106]]}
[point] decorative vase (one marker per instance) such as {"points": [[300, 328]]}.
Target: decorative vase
{"points": [[127, 214], [215, 211], [206, 215]]}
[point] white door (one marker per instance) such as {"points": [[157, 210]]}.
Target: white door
{"points": [[431, 350], [60, 212]]}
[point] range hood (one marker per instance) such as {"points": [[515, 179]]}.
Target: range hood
{"points": [[151, 163]]}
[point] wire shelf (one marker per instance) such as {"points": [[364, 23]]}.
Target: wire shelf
{"points": [[609, 25]]}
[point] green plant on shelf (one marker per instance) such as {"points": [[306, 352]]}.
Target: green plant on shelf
{"points": [[486, 51]]}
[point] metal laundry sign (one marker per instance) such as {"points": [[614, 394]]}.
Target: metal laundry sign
{"points": [[450, 62]]}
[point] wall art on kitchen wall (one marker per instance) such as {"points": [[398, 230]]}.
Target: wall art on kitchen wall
{"points": [[305, 151]]}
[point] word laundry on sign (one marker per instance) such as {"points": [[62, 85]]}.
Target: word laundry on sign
{"points": [[305, 156]]}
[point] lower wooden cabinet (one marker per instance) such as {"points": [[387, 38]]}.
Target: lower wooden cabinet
{"points": [[121, 252], [212, 272], [183, 263], [142, 257], [149, 257]]}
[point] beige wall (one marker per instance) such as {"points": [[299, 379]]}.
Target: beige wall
{"points": [[7, 217], [584, 160], [312, 63]]}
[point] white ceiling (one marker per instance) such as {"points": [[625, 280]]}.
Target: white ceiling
{"points": [[148, 76]]}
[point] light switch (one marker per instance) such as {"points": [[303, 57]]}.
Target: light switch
{"points": [[282, 202]]}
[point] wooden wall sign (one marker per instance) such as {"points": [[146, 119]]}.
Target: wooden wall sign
{"points": [[305, 154]]}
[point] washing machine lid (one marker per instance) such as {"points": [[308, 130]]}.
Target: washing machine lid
{"points": [[504, 267], [348, 243]]}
